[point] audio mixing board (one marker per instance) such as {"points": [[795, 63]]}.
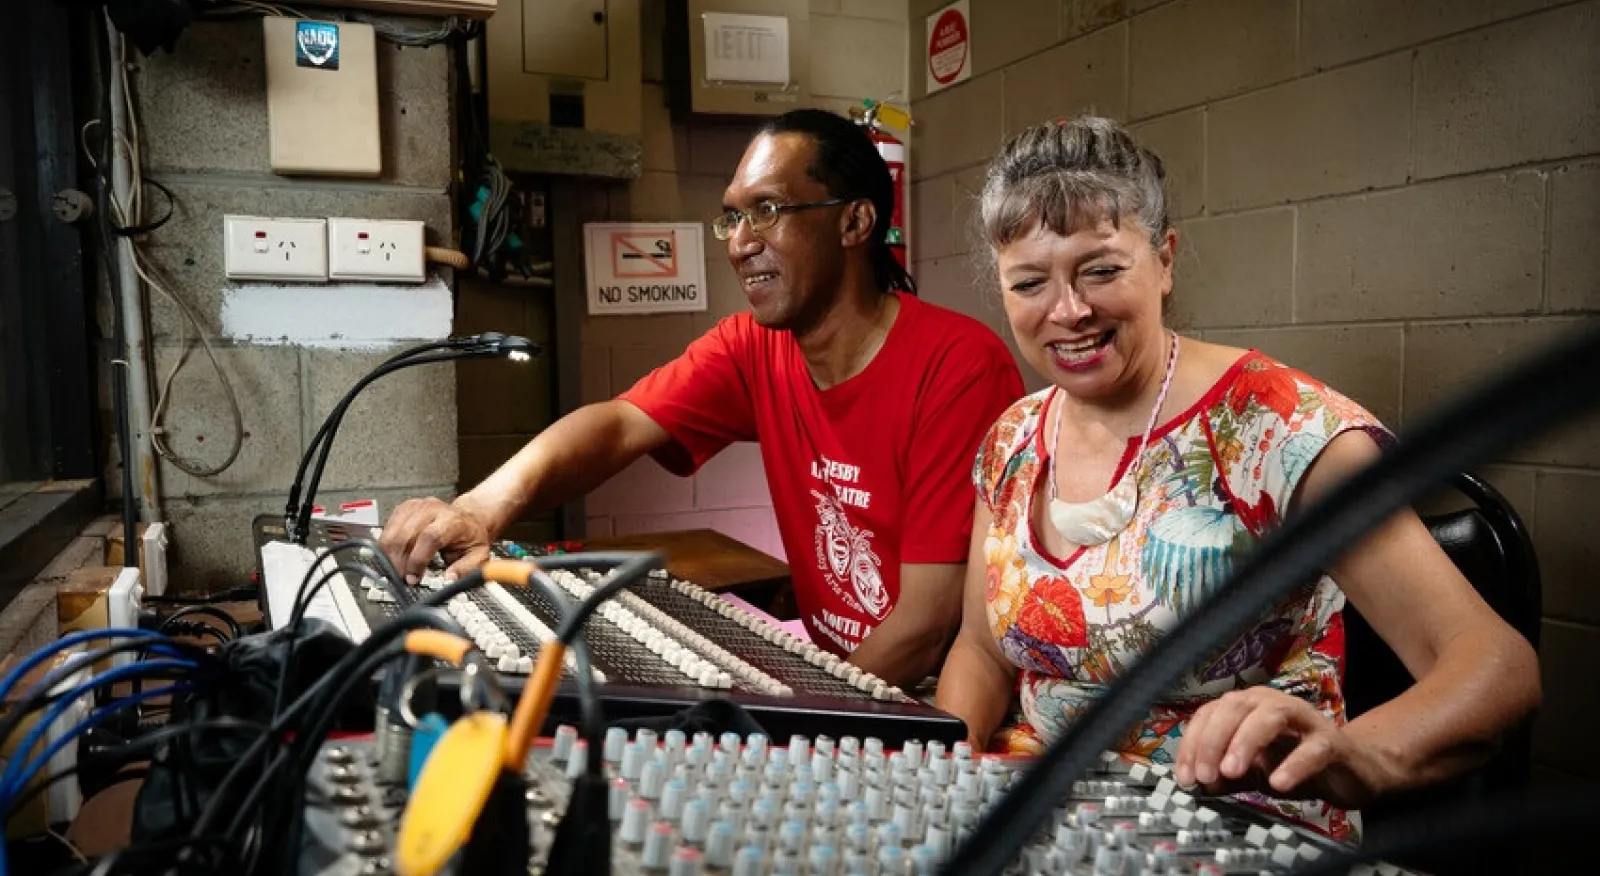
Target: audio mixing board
{"points": [[750, 806], [661, 646]]}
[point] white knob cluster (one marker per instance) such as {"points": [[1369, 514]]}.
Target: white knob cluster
{"points": [[697, 669], [827, 661], [730, 663], [494, 641]]}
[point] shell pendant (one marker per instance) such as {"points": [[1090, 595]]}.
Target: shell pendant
{"points": [[1099, 520]]}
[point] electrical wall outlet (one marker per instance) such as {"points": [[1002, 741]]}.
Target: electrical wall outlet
{"points": [[371, 249], [257, 248]]}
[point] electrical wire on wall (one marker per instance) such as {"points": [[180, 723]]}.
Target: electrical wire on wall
{"points": [[386, 28], [129, 222], [492, 211]]}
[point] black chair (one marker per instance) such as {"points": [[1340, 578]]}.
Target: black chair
{"points": [[1491, 546]]}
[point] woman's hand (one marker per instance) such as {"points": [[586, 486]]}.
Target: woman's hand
{"points": [[1262, 739]]}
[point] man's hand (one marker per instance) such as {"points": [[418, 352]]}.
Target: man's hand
{"points": [[1262, 739], [420, 528]]}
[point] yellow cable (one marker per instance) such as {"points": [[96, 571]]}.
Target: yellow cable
{"points": [[438, 644], [534, 704]]}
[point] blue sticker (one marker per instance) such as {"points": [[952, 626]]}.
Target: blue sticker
{"points": [[316, 44]]}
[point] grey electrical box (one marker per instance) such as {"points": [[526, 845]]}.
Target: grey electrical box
{"points": [[564, 86], [738, 57]]}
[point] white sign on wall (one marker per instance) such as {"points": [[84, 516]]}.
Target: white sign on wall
{"points": [[645, 267], [747, 48], [949, 46]]}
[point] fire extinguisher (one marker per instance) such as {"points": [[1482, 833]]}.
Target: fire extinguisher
{"points": [[874, 117]]}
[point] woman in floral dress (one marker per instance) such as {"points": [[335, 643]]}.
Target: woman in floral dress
{"points": [[1117, 499]]}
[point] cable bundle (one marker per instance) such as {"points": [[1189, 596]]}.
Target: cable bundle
{"points": [[225, 787]]}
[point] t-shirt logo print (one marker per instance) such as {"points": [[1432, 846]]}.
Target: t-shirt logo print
{"points": [[847, 552]]}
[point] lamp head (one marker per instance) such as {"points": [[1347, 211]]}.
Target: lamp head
{"points": [[513, 347]]}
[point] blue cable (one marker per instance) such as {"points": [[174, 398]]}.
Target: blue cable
{"points": [[88, 723], [42, 725], [73, 667], [68, 641], [43, 654]]}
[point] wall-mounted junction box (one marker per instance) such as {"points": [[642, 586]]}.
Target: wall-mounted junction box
{"points": [[738, 57], [564, 86], [322, 97], [375, 250], [258, 248]]}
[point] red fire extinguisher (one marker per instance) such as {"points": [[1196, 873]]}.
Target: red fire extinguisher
{"points": [[893, 151]]}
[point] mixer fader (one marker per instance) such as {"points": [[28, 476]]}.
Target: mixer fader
{"points": [[684, 805]]}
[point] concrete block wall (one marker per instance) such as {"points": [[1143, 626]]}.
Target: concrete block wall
{"points": [[1396, 197], [204, 134], [858, 51]]}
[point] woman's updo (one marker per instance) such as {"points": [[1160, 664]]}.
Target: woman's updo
{"points": [[1061, 174]]}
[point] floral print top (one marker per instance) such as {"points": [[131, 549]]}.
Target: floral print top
{"points": [[1212, 481]]}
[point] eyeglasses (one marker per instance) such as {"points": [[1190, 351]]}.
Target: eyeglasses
{"points": [[763, 216]]}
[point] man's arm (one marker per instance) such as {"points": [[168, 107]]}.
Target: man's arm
{"points": [[911, 642], [575, 455]]}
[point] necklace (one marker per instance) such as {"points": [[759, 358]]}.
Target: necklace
{"points": [[1097, 521]]}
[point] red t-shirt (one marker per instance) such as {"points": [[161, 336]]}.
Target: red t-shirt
{"points": [[866, 475]]}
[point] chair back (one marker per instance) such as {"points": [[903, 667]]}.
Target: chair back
{"points": [[1491, 546]]}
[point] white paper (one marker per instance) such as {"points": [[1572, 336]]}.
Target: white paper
{"points": [[747, 48]]}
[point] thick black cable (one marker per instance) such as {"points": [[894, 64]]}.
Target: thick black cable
{"points": [[1514, 407], [590, 718], [302, 602], [42, 695], [354, 668], [139, 747], [210, 611]]}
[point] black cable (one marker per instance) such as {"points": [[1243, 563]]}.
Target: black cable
{"points": [[195, 629], [292, 507], [404, 360], [385, 575], [588, 697], [134, 748], [107, 865], [210, 611], [328, 689], [590, 718], [301, 603], [147, 227], [44, 694], [1511, 408]]}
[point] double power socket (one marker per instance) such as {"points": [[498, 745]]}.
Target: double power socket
{"points": [[319, 250]]}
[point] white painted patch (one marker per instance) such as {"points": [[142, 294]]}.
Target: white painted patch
{"points": [[337, 315]]}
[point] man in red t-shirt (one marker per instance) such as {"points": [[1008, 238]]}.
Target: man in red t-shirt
{"points": [[868, 403]]}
